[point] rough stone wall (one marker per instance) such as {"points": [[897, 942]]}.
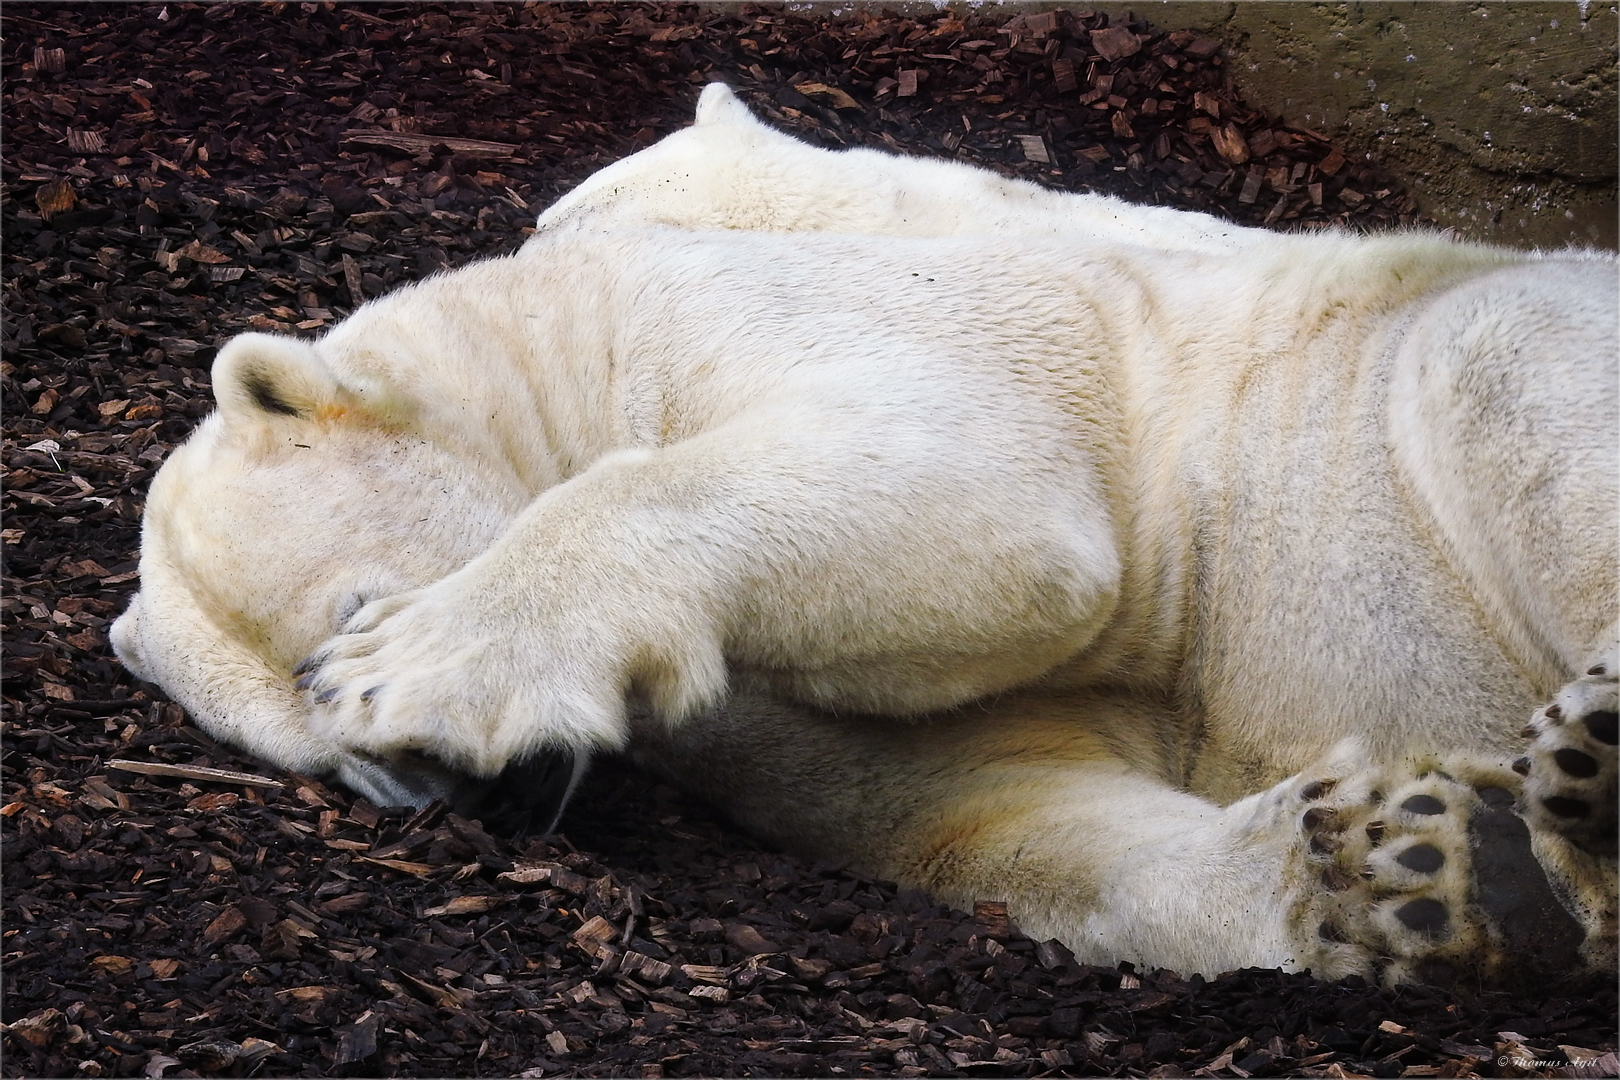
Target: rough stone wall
{"points": [[1501, 116]]}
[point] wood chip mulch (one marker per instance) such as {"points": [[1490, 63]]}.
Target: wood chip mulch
{"points": [[175, 174]]}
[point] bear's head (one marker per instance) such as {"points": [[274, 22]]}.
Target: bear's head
{"points": [[305, 495]]}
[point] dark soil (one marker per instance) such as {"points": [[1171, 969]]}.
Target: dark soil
{"points": [[174, 174]]}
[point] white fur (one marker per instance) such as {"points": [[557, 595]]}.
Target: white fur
{"points": [[905, 437], [729, 171]]}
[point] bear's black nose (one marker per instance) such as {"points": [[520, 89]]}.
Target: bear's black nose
{"points": [[527, 797]]}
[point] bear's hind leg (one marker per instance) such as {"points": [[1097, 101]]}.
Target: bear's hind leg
{"points": [[1503, 408], [1053, 805], [1420, 871]]}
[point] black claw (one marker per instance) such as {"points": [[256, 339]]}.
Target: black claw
{"points": [[1528, 731], [1318, 789], [1335, 879], [1427, 805], [1597, 669], [1375, 832], [1425, 915], [1554, 711], [1326, 845], [1522, 766], [1423, 858], [369, 694], [305, 682], [1604, 726], [305, 665], [326, 695], [1576, 764], [1565, 807]]}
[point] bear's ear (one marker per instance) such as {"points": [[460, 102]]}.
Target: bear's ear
{"points": [[718, 106], [259, 375]]}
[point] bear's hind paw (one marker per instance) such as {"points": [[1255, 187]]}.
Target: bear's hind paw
{"points": [[1427, 875], [1570, 768]]}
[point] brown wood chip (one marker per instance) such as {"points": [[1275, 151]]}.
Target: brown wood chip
{"points": [[193, 772], [400, 140], [1115, 43], [55, 197], [1230, 144]]}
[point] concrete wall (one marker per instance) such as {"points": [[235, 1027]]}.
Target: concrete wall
{"points": [[1501, 117]]}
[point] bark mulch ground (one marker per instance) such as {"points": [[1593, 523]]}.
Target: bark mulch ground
{"points": [[174, 174]]}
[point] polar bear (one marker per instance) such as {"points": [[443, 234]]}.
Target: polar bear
{"points": [[1184, 587]]}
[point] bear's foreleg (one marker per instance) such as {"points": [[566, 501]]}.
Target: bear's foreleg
{"points": [[839, 563]]}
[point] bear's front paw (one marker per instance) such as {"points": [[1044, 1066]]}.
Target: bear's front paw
{"points": [[1426, 874], [455, 673]]}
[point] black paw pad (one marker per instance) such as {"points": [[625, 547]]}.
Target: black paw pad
{"points": [[1565, 807], [1316, 817], [1423, 858], [1427, 805], [1425, 915], [1575, 763], [1540, 937], [1605, 727]]}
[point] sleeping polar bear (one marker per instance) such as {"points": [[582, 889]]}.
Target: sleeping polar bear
{"points": [[1184, 586]]}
